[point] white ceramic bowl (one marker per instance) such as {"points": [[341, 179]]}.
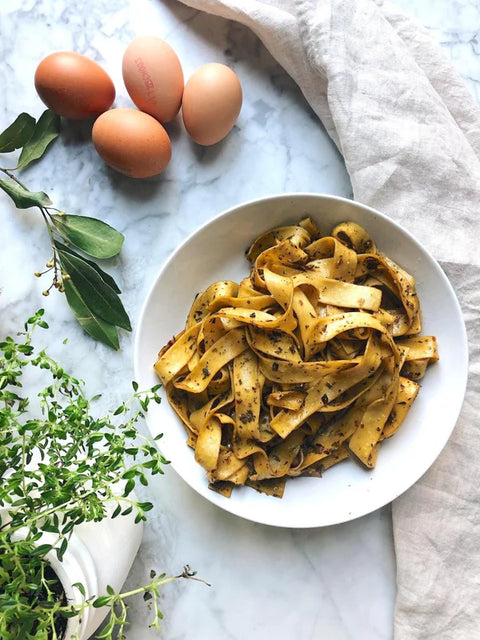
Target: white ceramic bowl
{"points": [[346, 491]]}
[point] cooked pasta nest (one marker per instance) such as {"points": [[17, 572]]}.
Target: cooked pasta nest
{"points": [[313, 358]]}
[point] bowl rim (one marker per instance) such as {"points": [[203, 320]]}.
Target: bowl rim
{"points": [[462, 337]]}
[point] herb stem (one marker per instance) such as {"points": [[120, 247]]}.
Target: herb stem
{"points": [[46, 215], [155, 583], [24, 479], [8, 173]]}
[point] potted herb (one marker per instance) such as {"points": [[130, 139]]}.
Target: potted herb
{"points": [[70, 524]]}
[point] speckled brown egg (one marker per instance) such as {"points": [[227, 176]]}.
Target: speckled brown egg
{"points": [[211, 103], [73, 85], [153, 77], [132, 142]]}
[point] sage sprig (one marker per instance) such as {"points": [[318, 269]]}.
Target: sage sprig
{"points": [[91, 293]]}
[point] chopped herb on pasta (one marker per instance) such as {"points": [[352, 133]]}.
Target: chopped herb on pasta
{"points": [[313, 358]]}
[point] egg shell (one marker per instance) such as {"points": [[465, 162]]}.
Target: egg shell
{"points": [[212, 100], [73, 85], [132, 142], [153, 77]]}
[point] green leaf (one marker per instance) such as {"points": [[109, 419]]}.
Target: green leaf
{"points": [[93, 236], [62, 549], [129, 487], [92, 324], [42, 550], [68, 527], [116, 512], [80, 587], [104, 276], [121, 409], [101, 299], [46, 130], [17, 134], [23, 198], [101, 602]]}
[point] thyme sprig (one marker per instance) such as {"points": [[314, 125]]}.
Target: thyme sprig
{"points": [[117, 620], [91, 293], [61, 466]]}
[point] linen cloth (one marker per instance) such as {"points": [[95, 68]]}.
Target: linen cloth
{"points": [[409, 132]]}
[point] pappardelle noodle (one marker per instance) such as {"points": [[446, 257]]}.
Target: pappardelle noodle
{"points": [[313, 358]]}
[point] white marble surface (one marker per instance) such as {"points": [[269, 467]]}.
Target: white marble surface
{"points": [[332, 583]]}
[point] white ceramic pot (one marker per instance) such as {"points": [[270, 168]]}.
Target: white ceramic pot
{"points": [[98, 554]]}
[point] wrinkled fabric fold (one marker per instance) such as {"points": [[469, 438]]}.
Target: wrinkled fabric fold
{"points": [[409, 132]]}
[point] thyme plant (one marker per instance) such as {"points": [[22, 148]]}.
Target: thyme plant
{"points": [[59, 469]]}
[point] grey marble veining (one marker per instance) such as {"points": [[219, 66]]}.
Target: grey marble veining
{"points": [[333, 583]]}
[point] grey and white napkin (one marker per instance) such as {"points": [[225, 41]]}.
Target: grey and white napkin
{"points": [[409, 132]]}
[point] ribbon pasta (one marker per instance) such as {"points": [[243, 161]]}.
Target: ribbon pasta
{"points": [[313, 358]]}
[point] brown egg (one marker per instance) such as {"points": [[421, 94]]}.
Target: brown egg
{"points": [[132, 142], [153, 77], [212, 100], [74, 86]]}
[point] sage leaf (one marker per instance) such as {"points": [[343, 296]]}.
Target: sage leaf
{"points": [[92, 324], [46, 130], [104, 276], [94, 237], [101, 299], [17, 134], [23, 198]]}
